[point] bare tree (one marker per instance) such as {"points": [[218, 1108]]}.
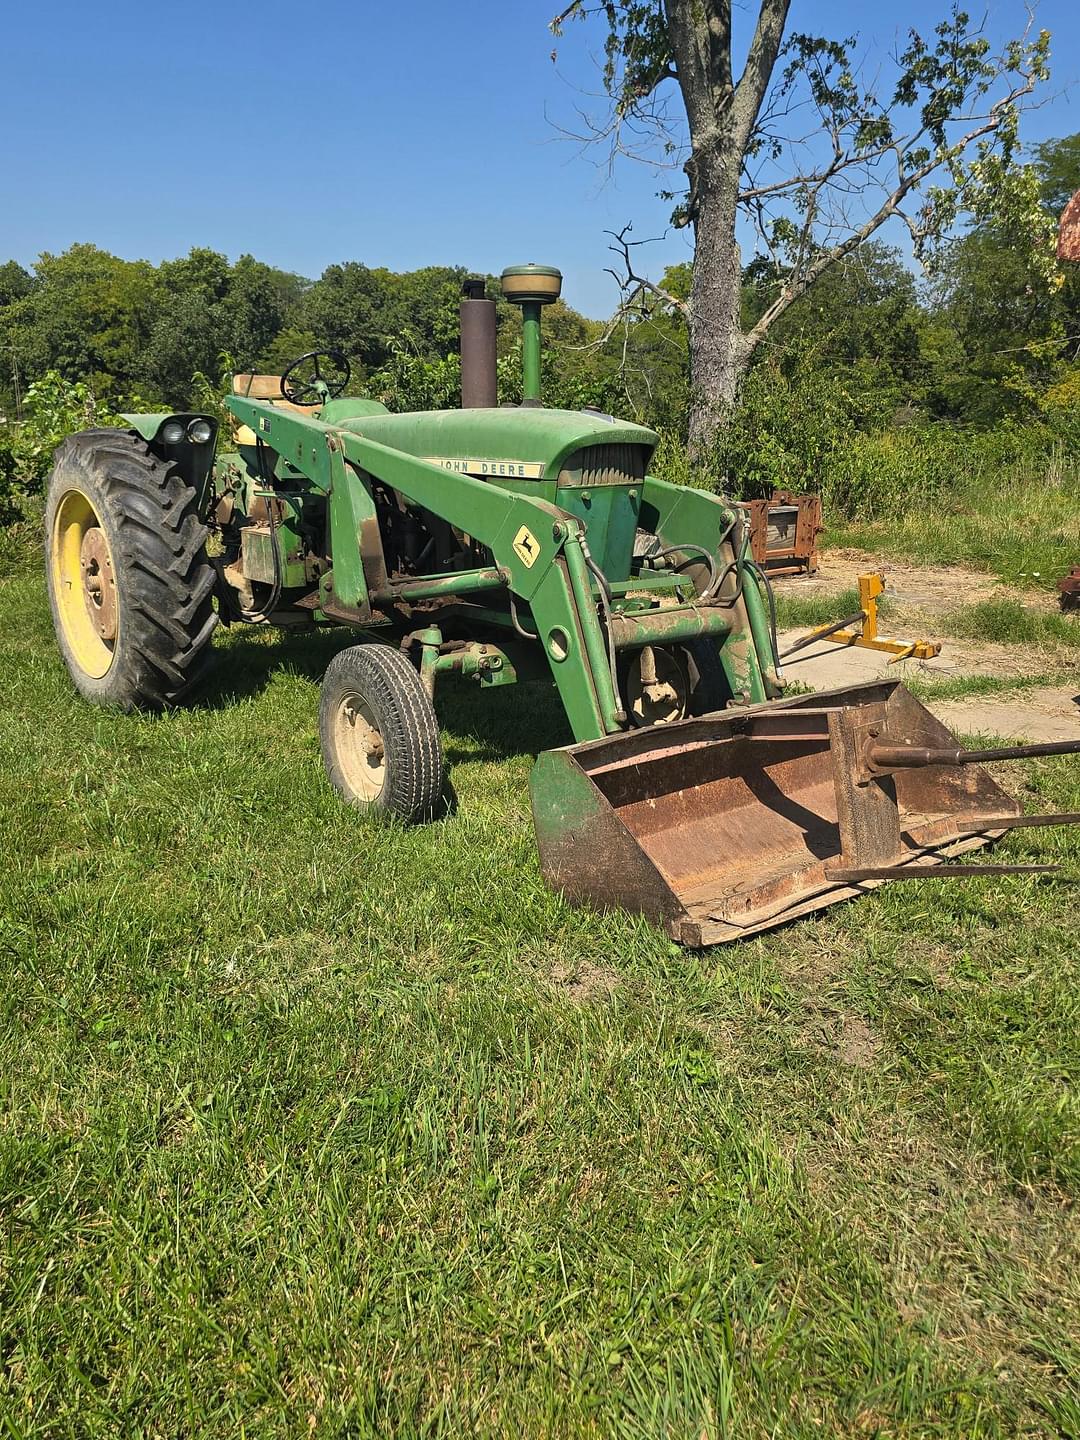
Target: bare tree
{"points": [[806, 147]]}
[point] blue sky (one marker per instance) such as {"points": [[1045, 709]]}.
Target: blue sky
{"points": [[399, 135]]}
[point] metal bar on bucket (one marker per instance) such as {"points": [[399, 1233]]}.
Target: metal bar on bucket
{"points": [[1016, 822], [888, 755], [932, 872]]}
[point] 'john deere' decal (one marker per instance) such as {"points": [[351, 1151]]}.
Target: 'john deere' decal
{"points": [[511, 469], [526, 547]]}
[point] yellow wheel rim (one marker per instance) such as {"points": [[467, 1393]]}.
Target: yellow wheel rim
{"points": [[359, 744], [84, 584]]}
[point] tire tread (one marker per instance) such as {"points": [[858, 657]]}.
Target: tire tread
{"points": [[164, 577], [389, 682]]}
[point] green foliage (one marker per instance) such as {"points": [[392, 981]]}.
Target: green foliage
{"points": [[53, 409], [878, 475], [365, 312], [1012, 311], [790, 431], [1057, 164], [862, 324], [88, 316], [408, 381], [209, 306], [288, 345], [208, 395], [15, 283]]}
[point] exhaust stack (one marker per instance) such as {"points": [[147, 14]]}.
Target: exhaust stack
{"points": [[479, 380]]}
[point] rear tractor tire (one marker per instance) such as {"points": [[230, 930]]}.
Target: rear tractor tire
{"points": [[379, 734], [129, 581]]}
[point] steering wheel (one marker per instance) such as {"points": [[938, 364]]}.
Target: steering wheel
{"points": [[313, 387]]}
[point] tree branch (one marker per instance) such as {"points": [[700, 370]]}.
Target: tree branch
{"points": [[760, 63], [632, 285], [803, 276]]}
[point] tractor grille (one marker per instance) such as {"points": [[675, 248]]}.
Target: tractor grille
{"points": [[597, 465]]}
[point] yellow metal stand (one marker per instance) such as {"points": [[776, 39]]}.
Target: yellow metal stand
{"points": [[870, 587]]}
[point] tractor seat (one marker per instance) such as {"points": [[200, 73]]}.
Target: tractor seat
{"points": [[267, 387]]}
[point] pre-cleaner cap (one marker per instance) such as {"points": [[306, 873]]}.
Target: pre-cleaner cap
{"points": [[542, 283]]}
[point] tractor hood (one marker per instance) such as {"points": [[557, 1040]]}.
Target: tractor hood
{"points": [[508, 444]]}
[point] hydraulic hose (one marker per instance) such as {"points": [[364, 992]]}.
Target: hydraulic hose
{"points": [[605, 604], [760, 575], [713, 592], [710, 561]]}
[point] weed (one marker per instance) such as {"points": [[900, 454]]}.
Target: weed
{"points": [[1010, 622]]}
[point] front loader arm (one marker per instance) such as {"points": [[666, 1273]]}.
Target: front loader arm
{"points": [[535, 545], [538, 548], [492, 516], [679, 515]]}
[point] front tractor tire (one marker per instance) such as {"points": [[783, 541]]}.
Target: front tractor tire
{"points": [[129, 580], [379, 734]]}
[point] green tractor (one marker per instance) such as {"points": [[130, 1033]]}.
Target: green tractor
{"points": [[505, 544]]}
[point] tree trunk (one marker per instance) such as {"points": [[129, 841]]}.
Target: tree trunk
{"points": [[719, 352]]}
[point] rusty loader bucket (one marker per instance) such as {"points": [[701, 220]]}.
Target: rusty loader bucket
{"points": [[731, 823]]}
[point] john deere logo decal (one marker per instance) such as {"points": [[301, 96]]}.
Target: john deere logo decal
{"points": [[526, 548], [511, 469]]}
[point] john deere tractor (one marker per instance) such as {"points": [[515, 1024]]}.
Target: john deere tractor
{"points": [[500, 544]]}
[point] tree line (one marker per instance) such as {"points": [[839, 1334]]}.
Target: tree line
{"points": [[989, 337]]}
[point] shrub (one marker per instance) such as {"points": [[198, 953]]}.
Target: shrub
{"points": [[409, 381], [54, 409], [208, 395], [887, 474], [789, 432]]}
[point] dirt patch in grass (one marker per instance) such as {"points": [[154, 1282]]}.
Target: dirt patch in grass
{"points": [[582, 982], [844, 1037], [923, 587], [856, 1043]]}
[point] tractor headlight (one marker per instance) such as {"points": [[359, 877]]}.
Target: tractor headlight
{"points": [[172, 433], [200, 431]]}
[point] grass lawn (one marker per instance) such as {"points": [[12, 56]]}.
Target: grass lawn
{"points": [[315, 1126], [1019, 522]]}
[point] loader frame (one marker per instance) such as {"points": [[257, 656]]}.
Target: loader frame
{"points": [[540, 558]]}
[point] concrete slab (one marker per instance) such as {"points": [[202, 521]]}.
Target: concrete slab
{"points": [[1047, 713]]}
